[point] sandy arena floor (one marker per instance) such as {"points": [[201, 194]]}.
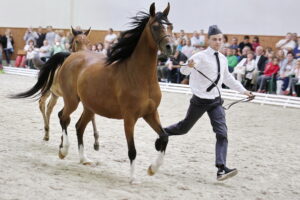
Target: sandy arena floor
{"points": [[264, 144]]}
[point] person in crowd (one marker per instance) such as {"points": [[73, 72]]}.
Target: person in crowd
{"points": [[7, 42], [245, 69], [101, 49], [182, 42], [244, 53], [234, 43], [281, 56], [188, 49], [173, 67], [286, 70], [182, 35], [110, 38], [255, 43], [30, 54], [295, 80], [45, 51], [295, 37], [57, 47], [50, 36], [296, 50], [30, 34], [245, 43], [94, 48], [287, 44], [225, 42], [1, 50], [41, 37], [260, 62], [271, 69], [202, 38], [232, 60], [196, 41]]}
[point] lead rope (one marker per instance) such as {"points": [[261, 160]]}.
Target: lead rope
{"points": [[227, 106]]}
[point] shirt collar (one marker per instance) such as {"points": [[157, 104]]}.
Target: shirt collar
{"points": [[211, 51]]}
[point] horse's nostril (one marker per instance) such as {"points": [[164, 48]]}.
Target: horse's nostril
{"points": [[168, 47]]}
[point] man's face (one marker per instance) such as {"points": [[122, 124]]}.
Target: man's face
{"points": [[215, 41], [259, 50], [289, 36], [290, 57]]}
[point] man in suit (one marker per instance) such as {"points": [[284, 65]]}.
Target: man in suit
{"points": [[260, 63]]}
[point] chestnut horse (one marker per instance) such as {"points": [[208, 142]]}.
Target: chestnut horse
{"points": [[80, 43]]}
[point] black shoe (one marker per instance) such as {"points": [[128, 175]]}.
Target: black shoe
{"points": [[225, 173]]}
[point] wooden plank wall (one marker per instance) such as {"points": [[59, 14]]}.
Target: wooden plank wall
{"points": [[98, 36]]}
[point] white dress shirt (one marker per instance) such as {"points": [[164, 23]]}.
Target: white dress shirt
{"points": [[205, 61]]}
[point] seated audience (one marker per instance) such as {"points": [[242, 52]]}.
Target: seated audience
{"points": [[296, 50], [295, 80], [271, 70], [286, 70], [287, 44], [173, 67], [245, 43], [45, 51]]}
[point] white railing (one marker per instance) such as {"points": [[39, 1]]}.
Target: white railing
{"points": [[268, 99]]}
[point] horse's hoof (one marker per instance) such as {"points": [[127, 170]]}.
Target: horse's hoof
{"points": [[150, 171], [96, 147], [89, 163], [60, 155], [134, 182]]}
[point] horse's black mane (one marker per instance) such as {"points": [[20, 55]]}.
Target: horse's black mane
{"points": [[128, 39]]}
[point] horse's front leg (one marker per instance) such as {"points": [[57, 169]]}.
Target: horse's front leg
{"points": [[129, 123], [160, 144]]}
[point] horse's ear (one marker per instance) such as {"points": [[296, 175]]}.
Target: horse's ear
{"points": [[74, 32], [166, 11], [87, 32], [152, 9]]}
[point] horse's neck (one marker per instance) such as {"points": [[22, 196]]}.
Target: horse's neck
{"points": [[144, 57]]}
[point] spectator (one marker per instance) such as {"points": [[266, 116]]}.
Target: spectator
{"points": [[245, 43], [182, 35], [286, 70], [225, 41], [234, 43], [245, 69], [30, 53], [296, 79], [297, 49], [255, 43], [94, 48], [8, 45], [232, 60], [41, 37], [57, 47], [110, 38], [45, 51], [195, 40], [260, 63], [50, 36], [188, 49], [181, 43], [271, 69], [202, 37], [101, 49], [30, 35], [295, 38], [174, 75], [245, 51], [1, 50], [287, 44], [281, 56]]}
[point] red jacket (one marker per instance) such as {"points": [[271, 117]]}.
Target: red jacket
{"points": [[271, 69]]}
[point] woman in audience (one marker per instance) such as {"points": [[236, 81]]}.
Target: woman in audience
{"points": [[295, 80], [57, 47], [231, 59], [255, 43], [296, 50], [286, 70], [271, 69], [225, 41], [8, 45], [245, 69], [30, 53], [281, 56], [101, 49], [182, 42], [94, 48]]}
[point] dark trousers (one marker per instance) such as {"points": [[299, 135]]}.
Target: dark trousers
{"points": [[8, 53], [216, 114]]}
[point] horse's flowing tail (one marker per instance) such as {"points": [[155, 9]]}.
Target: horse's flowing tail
{"points": [[45, 77]]}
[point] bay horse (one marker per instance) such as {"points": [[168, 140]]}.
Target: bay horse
{"points": [[80, 43]]}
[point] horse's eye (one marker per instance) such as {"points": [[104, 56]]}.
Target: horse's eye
{"points": [[156, 27]]}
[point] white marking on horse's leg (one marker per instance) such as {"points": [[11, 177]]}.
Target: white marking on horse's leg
{"points": [[158, 162], [65, 148], [83, 158], [133, 179]]}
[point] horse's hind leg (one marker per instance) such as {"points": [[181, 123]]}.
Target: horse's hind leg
{"points": [[42, 106], [96, 134], [64, 119], [129, 123], [50, 106], [85, 118], [160, 144]]}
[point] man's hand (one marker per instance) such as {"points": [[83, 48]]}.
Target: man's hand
{"points": [[191, 63], [249, 94]]}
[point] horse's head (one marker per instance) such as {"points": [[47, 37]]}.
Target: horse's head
{"points": [[80, 40], [161, 35]]}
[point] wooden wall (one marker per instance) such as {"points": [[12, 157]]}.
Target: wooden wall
{"points": [[98, 36]]}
